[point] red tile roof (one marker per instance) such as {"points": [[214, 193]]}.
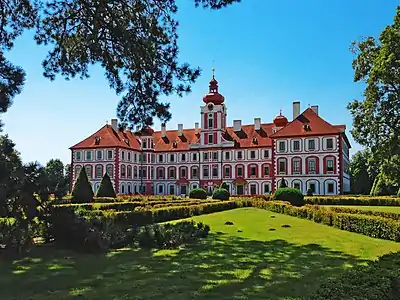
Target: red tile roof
{"points": [[317, 126]]}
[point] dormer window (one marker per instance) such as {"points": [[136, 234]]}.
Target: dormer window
{"points": [[174, 144], [97, 140], [254, 140], [144, 144]]}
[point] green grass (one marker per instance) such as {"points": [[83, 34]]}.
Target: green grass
{"points": [[395, 209], [253, 264]]}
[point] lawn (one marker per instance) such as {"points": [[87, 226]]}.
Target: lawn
{"points": [[252, 264], [395, 209]]}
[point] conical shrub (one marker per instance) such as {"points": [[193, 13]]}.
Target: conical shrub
{"points": [[82, 191], [106, 188]]}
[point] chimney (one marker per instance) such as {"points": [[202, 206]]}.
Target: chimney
{"points": [[257, 123], [237, 125], [114, 124], [296, 109], [163, 130], [315, 109], [180, 129], [196, 127]]}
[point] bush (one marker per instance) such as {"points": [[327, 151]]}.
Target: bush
{"points": [[168, 236], [82, 191], [310, 192], [377, 280], [106, 188], [221, 194], [354, 200], [292, 195], [198, 193], [224, 186]]}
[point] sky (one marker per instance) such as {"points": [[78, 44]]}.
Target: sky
{"points": [[266, 55]]}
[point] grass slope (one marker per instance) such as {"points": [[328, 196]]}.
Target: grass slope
{"points": [[253, 264]]}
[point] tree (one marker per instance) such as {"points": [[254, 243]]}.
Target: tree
{"points": [[68, 174], [55, 173], [82, 191], [282, 184], [361, 181], [135, 41], [376, 119], [106, 188]]}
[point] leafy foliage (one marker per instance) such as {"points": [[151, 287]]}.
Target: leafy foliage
{"points": [[360, 168], [376, 119], [292, 195], [106, 188], [283, 183], [82, 191], [353, 200], [221, 194], [198, 193]]}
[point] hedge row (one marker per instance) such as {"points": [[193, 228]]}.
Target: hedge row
{"points": [[350, 210], [353, 200], [142, 217], [373, 226]]}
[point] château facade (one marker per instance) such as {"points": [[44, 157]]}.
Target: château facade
{"points": [[307, 152]]}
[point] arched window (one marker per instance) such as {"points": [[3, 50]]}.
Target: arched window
{"points": [[129, 172], [160, 173], [122, 188], [89, 171], [110, 170], [99, 171], [123, 171]]}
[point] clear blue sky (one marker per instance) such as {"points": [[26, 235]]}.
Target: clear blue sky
{"points": [[267, 54]]}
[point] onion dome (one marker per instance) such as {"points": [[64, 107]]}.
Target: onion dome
{"points": [[213, 95], [280, 121]]}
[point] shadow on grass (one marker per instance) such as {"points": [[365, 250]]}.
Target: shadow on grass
{"points": [[220, 267]]}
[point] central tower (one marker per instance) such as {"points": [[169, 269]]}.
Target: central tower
{"points": [[213, 120]]}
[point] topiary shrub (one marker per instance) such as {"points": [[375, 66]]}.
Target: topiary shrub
{"points": [[106, 188], [283, 183], [224, 186], [292, 195], [309, 192], [82, 191], [221, 194], [198, 193]]}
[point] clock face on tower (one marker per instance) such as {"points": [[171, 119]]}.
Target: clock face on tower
{"points": [[210, 106]]}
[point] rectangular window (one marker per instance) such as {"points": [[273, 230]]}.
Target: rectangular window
{"points": [[144, 173], [215, 171], [282, 146], [183, 172], [172, 158], [160, 159], [171, 173], [266, 154], [210, 121], [252, 154], [296, 145], [296, 166], [282, 166], [297, 186], [153, 158], [215, 156], [183, 157], [311, 165], [311, 145], [227, 172], [160, 174], [99, 155], [239, 155], [253, 189], [312, 187], [253, 170], [129, 156], [78, 155], [88, 155], [144, 144], [330, 188], [210, 139], [329, 165], [205, 171], [123, 155], [240, 171], [194, 173], [205, 156], [329, 144], [266, 189], [160, 189], [135, 157], [266, 171], [227, 155], [194, 156]]}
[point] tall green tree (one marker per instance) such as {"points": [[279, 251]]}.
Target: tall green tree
{"points": [[135, 41], [55, 173], [360, 172], [376, 118], [82, 191], [106, 188]]}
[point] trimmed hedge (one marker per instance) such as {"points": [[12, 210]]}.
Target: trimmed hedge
{"points": [[294, 196], [353, 200], [221, 194], [377, 280], [350, 210], [106, 188], [198, 194], [373, 226]]}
